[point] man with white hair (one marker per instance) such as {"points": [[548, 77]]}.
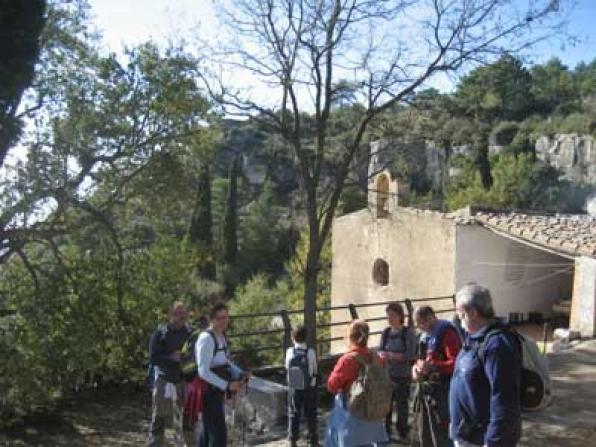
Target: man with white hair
{"points": [[484, 394]]}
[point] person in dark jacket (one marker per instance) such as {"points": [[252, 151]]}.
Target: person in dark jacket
{"points": [[439, 348], [485, 388], [398, 347], [168, 399]]}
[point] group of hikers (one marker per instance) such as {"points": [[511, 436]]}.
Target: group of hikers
{"points": [[467, 376]]}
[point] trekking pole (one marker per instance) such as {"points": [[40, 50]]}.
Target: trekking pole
{"points": [[544, 337]]}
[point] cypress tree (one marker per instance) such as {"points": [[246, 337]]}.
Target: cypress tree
{"points": [[230, 225], [200, 232]]}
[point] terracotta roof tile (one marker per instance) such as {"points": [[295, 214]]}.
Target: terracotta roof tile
{"points": [[572, 234]]}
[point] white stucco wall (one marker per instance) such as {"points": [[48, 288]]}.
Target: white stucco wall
{"points": [[583, 312], [489, 259]]}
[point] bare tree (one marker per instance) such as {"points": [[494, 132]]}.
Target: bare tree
{"points": [[305, 52]]}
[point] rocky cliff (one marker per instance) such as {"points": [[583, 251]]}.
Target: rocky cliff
{"points": [[574, 155]]}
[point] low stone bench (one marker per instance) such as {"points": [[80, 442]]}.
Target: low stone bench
{"points": [[266, 403]]}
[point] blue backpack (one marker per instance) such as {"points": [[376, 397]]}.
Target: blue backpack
{"points": [[298, 375]]}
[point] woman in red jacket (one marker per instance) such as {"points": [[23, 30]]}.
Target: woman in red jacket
{"points": [[343, 428]]}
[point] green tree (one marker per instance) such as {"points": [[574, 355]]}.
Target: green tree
{"points": [[553, 87], [88, 258], [266, 238], [585, 78], [501, 90], [519, 183]]}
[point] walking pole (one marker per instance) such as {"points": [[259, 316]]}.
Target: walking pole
{"points": [[544, 337]]}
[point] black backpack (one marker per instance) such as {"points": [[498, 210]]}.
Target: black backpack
{"points": [[298, 375], [188, 360]]}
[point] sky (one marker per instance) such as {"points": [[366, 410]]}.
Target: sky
{"points": [[130, 22], [134, 21]]}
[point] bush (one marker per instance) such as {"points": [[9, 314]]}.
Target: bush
{"points": [[519, 183], [257, 296], [87, 323]]}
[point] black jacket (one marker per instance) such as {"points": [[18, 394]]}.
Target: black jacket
{"points": [[164, 341]]}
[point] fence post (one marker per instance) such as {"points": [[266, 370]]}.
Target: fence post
{"points": [[285, 318], [353, 311], [410, 310]]}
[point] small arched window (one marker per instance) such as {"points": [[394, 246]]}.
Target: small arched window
{"points": [[382, 195], [380, 272]]}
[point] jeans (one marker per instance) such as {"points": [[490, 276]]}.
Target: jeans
{"points": [[166, 410], [399, 402], [302, 402], [213, 430]]}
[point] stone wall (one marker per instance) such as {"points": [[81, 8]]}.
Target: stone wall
{"points": [[418, 246]]}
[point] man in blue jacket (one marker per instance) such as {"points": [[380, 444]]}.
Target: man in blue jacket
{"points": [[168, 391], [484, 395]]}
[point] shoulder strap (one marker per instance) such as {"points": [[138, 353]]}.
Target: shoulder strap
{"points": [[384, 336], [404, 335], [480, 347], [360, 359], [215, 347]]}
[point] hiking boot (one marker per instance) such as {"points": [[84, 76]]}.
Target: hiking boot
{"points": [[292, 443]]}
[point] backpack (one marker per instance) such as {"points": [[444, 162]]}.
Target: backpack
{"points": [[370, 394], [298, 374], [535, 387], [188, 360]]}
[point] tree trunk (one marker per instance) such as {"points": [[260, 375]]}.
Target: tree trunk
{"points": [[21, 23], [483, 163], [311, 274]]}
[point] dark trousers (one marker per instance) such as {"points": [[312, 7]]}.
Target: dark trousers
{"points": [[399, 402], [213, 431], [432, 415], [302, 402]]}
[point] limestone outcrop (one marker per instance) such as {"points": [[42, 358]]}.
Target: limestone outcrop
{"points": [[574, 155]]}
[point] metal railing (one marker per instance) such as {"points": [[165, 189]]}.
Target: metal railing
{"points": [[285, 322]]}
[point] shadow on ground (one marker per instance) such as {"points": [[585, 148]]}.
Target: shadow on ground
{"points": [[118, 417]]}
